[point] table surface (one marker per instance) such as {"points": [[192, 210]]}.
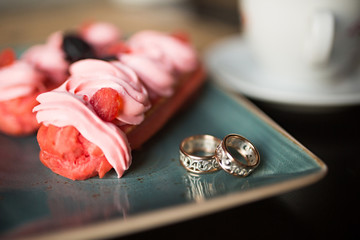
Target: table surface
{"points": [[328, 208]]}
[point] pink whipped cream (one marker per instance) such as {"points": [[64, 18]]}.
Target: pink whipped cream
{"points": [[88, 76], [69, 105], [18, 80], [61, 108], [100, 35], [157, 80], [49, 58], [158, 58], [168, 51]]}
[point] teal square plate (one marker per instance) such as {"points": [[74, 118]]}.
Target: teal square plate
{"points": [[156, 190]]}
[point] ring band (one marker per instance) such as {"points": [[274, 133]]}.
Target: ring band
{"points": [[197, 153], [231, 152]]}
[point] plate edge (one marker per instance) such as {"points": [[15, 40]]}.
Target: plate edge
{"points": [[167, 216]]}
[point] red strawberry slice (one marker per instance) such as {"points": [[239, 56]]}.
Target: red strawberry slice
{"points": [[107, 103], [85, 26], [119, 47], [7, 57], [182, 36]]}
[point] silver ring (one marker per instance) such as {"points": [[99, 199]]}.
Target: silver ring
{"points": [[197, 153], [237, 155]]}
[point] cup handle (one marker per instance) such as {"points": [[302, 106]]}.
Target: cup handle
{"points": [[319, 45]]}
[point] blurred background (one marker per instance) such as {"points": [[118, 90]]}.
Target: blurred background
{"points": [[31, 21], [327, 208]]}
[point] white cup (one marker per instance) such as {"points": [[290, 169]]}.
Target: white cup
{"points": [[304, 43]]}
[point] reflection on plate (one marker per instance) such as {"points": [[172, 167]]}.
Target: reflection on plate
{"points": [[232, 65], [156, 190]]}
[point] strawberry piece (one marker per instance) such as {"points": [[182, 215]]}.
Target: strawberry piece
{"points": [[182, 36], [107, 103], [7, 57], [119, 47], [85, 26]]}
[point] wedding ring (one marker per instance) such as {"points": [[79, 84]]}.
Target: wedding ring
{"points": [[237, 155], [197, 153]]}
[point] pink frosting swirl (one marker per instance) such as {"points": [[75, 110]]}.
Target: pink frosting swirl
{"points": [[69, 105], [18, 80], [100, 35], [49, 58], [170, 52], [157, 79], [88, 76], [158, 59], [61, 108]]}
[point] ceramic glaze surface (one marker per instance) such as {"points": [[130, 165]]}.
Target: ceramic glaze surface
{"points": [[34, 200]]}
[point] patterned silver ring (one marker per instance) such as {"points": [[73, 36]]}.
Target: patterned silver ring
{"points": [[197, 153], [237, 155]]}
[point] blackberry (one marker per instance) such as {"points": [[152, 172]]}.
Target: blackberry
{"points": [[76, 48]]}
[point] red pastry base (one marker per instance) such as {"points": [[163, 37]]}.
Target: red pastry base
{"points": [[16, 116]]}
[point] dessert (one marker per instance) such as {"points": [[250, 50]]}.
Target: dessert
{"points": [[64, 48], [44, 67], [100, 35], [159, 60], [123, 101], [20, 83], [49, 58]]}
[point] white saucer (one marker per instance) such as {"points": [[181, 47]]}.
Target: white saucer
{"points": [[230, 63]]}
